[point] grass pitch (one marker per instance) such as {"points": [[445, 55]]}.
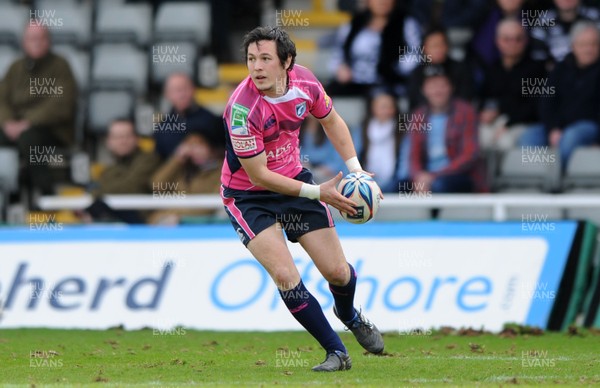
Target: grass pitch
{"points": [[182, 357]]}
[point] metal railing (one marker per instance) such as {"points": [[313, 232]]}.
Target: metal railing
{"points": [[499, 203]]}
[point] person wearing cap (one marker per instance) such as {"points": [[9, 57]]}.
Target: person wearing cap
{"points": [[443, 134], [185, 116]]}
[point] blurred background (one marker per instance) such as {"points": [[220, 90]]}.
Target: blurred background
{"points": [[116, 97], [469, 112]]}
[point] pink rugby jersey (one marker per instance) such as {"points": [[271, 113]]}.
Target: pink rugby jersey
{"points": [[257, 123]]}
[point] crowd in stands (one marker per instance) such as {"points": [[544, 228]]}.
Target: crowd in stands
{"points": [[476, 77], [526, 74]]}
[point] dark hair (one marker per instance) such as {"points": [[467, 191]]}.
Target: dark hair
{"points": [[392, 37], [375, 93], [285, 46]]}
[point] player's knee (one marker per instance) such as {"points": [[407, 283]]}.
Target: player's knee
{"points": [[285, 279], [338, 275]]}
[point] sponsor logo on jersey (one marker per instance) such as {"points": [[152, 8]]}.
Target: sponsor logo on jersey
{"points": [[235, 130], [239, 119], [279, 152], [327, 100], [301, 109], [270, 122], [243, 144]]}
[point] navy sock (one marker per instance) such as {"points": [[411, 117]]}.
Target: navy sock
{"points": [[344, 297], [306, 309]]}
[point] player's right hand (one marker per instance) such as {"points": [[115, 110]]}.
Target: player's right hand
{"points": [[331, 196]]}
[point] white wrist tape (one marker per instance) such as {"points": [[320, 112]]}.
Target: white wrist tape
{"points": [[310, 191], [353, 164]]}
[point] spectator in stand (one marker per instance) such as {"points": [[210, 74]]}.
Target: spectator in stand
{"points": [[37, 104], [132, 167], [449, 13], [484, 40], [185, 116], [444, 147], [317, 153], [507, 110], [435, 50], [194, 168], [129, 174], [380, 140], [553, 28], [370, 47], [571, 117]]}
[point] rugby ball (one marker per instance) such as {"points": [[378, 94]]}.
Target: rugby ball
{"points": [[364, 191]]}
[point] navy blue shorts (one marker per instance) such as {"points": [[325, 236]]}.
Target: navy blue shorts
{"points": [[251, 212]]}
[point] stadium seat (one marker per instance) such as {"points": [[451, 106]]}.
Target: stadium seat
{"points": [[321, 68], [583, 169], [7, 56], [110, 3], [41, 4], [12, 21], [456, 213], [9, 170], [79, 61], [352, 109], [75, 23], [105, 106], [181, 20], [120, 66], [297, 4], [130, 23], [170, 57], [515, 174]]}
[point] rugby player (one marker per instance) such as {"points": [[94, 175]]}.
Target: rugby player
{"points": [[264, 185]]}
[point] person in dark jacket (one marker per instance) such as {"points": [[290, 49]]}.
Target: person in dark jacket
{"points": [[435, 52], [449, 13], [38, 97], [185, 117], [554, 27], [483, 43], [375, 48], [132, 167], [129, 174], [194, 168], [507, 109], [571, 116]]}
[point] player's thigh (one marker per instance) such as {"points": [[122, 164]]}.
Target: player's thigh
{"points": [[270, 249], [324, 247]]}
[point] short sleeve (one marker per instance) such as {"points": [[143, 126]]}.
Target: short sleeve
{"points": [[244, 131], [322, 103]]}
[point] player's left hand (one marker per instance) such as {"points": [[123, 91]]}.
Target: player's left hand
{"points": [[331, 196]]}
